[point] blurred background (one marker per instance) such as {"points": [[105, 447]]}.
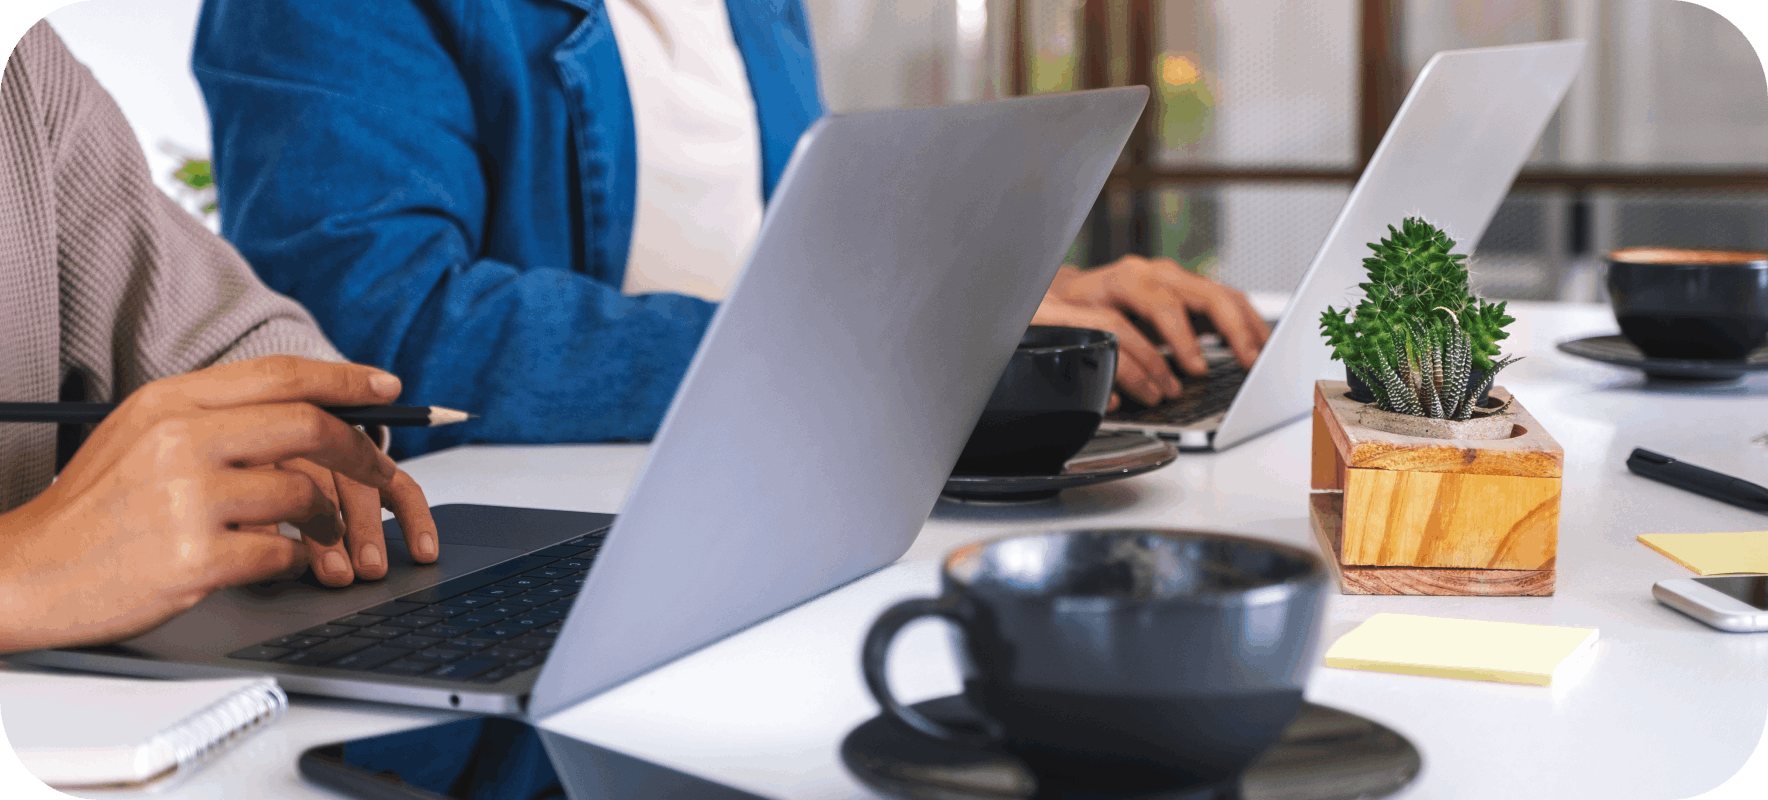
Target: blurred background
{"points": [[1263, 113]]}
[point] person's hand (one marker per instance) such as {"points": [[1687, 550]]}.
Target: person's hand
{"points": [[1141, 370], [361, 549], [179, 492], [1163, 293], [343, 545]]}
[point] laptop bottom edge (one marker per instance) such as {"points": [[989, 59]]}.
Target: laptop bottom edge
{"points": [[1198, 437], [455, 699]]}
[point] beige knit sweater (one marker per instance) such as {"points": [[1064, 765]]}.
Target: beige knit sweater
{"points": [[101, 274]]}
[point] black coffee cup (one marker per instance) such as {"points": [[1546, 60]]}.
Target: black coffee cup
{"points": [[1047, 404], [1690, 304], [1122, 660]]}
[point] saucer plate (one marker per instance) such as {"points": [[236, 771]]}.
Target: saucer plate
{"points": [[1615, 349], [1109, 456], [1326, 754]]}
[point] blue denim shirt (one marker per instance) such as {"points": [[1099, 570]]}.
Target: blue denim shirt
{"points": [[449, 186]]}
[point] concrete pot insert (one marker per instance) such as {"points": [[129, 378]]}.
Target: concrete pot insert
{"points": [[1479, 428]]}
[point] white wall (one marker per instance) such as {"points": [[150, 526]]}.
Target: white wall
{"points": [[875, 54], [140, 52]]}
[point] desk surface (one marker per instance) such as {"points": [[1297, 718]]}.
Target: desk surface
{"points": [[1669, 709]]}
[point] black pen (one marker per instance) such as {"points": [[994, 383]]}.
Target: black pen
{"points": [[94, 413], [1699, 480]]}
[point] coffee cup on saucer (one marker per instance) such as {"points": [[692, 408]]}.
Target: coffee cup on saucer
{"points": [[1690, 304], [1047, 404], [1123, 660]]}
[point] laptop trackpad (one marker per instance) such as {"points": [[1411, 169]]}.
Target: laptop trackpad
{"points": [[234, 618]]}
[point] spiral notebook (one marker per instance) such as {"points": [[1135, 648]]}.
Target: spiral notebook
{"points": [[86, 731]]}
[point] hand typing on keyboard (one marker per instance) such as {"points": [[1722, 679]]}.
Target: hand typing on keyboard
{"points": [[1203, 397], [1163, 293]]}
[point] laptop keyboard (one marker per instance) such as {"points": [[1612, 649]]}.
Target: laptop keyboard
{"points": [[1203, 396], [481, 627]]}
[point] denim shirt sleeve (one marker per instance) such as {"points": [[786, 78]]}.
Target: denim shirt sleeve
{"points": [[774, 38], [354, 176]]}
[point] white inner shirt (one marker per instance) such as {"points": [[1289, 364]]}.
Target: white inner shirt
{"points": [[699, 146]]}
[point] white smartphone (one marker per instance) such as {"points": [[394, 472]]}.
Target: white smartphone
{"points": [[1736, 603]]}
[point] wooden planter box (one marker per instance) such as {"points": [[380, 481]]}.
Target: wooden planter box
{"points": [[1410, 515]]}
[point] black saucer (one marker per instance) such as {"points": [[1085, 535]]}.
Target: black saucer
{"points": [[1110, 455], [1615, 349], [1325, 755]]}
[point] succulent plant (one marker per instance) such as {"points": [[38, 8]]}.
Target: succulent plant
{"points": [[1419, 338], [1426, 369]]}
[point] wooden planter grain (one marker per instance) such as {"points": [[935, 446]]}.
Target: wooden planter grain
{"points": [[1410, 515]]}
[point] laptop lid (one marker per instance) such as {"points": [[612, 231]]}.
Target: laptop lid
{"points": [[1451, 154], [901, 258]]}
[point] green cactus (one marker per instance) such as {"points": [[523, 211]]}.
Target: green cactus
{"points": [[1413, 272], [1413, 275], [1418, 333], [1484, 323], [1426, 369]]}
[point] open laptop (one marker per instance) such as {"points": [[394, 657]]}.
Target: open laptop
{"points": [[1451, 154], [901, 259]]}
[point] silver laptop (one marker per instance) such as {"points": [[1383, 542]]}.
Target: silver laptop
{"points": [[1451, 154], [901, 258]]}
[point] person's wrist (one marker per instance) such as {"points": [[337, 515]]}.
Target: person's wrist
{"points": [[1064, 278], [24, 614], [1055, 311]]}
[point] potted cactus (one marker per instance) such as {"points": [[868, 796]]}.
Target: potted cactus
{"points": [[1425, 485], [1420, 343]]}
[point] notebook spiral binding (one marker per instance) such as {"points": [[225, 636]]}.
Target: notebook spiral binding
{"points": [[197, 738]]}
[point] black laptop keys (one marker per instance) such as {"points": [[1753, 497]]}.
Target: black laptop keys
{"points": [[482, 627]]}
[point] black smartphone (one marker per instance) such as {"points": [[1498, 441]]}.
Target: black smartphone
{"points": [[494, 758]]}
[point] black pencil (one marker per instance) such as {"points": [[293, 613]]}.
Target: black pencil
{"points": [[94, 413]]}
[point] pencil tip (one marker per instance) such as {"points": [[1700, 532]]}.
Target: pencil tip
{"points": [[448, 416]]}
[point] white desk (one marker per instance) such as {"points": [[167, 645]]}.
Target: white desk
{"points": [[1669, 709]]}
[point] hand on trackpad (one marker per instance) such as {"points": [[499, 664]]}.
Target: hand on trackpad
{"points": [[403, 576]]}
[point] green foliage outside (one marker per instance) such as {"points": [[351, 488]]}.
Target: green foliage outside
{"points": [[197, 174], [1187, 106], [1052, 72], [1186, 113], [1186, 226], [1419, 338]]}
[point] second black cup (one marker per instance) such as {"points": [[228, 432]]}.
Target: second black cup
{"points": [[1690, 304], [1047, 404]]}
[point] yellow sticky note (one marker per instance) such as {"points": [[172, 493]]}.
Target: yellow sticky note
{"points": [[1713, 553], [1509, 652]]}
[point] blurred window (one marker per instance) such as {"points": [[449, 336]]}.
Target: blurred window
{"points": [[1264, 110]]}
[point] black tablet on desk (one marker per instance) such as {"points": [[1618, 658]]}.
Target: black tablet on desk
{"points": [[495, 758]]}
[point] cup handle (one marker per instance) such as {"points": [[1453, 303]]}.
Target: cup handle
{"points": [[877, 648]]}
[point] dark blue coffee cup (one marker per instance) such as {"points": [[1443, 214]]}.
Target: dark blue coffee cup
{"points": [[1125, 659], [1690, 304], [1047, 404]]}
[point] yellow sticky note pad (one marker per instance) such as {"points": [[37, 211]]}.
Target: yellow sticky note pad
{"points": [[1509, 652], [1713, 553]]}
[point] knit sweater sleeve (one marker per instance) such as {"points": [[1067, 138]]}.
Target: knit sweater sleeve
{"points": [[146, 290]]}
